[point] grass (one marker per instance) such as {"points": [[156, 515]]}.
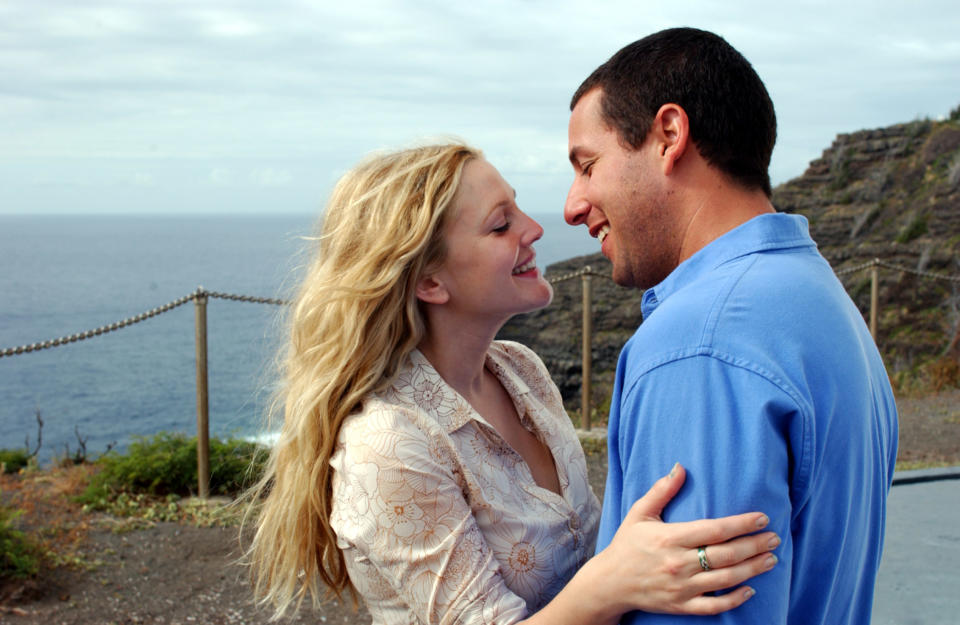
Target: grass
{"points": [[926, 377], [19, 556], [45, 514], [40, 513], [166, 465], [12, 460], [917, 227], [156, 478], [913, 465], [592, 445]]}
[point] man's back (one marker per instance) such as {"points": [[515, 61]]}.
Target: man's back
{"points": [[755, 370]]}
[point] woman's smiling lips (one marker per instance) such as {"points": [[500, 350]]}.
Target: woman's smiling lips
{"points": [[529, 265]]}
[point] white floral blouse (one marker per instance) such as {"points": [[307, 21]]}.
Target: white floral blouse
{"points": [[439, 519]]}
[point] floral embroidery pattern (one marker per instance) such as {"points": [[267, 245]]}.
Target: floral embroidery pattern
{"points": [[427, 394], [439, 519], [523, 557]]}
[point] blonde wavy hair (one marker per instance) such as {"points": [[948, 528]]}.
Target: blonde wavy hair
{"points": [[354, 319]]}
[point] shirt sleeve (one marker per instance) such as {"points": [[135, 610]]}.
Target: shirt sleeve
{"points": [[740, 436], [399, 506]]}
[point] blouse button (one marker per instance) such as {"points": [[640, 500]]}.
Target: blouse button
{"points": [[574, 523]]}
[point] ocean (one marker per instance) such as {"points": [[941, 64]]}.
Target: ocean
{"points": [[61, 275]]}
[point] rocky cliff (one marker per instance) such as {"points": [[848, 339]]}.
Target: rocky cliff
{"points": [[891, 194]]}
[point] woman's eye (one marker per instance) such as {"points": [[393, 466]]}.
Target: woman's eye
{"points": [[503, 228]]}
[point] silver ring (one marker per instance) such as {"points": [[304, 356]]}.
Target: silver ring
{"points": [[702, 554]]}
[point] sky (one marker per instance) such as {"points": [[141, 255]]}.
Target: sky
{"points": [[246, 106]]}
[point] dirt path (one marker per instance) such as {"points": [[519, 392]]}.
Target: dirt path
{"points": [[172, 573], [169, 573]]}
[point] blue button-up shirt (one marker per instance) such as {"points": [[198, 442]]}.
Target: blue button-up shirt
{"points": [[754, 369]]}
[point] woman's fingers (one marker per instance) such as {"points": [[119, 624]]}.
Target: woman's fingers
{"points": [[735, 551], [713, 531], [721, 579], [721, 603], [660, 564], [651, 505], [728, 577]]}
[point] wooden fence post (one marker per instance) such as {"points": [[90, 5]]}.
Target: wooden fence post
{"points": [[586, 349], [874, 296], [203, 402]]}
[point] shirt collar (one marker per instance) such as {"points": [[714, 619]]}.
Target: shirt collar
{"points": [[766, 232], [453, 412]]}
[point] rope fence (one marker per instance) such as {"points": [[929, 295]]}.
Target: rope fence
{"points": [[876, 262], [586, 274], [80, 336], [200, 292], [73, 338]]}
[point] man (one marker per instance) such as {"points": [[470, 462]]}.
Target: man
{"points": [[752, 367]]}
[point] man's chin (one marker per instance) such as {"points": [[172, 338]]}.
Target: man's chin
{"points": [[621, 277]]}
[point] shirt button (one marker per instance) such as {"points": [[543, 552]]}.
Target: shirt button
{"points": [[574, 523]]}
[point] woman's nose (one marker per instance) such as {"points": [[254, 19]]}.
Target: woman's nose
{"points": [[532, 232]]}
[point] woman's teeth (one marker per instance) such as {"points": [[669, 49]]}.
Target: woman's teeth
{"points": [[602, 233], [527, 266]]}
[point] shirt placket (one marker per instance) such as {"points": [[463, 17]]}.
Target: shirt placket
{"points": [[559, 503]]}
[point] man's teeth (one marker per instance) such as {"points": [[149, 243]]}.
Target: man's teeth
{"points": [[602, 233], [527, 266]]}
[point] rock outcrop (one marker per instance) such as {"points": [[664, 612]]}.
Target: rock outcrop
{"points": [[892, 194]]}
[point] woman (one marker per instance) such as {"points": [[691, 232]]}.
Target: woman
{"points": [[432, 469]]}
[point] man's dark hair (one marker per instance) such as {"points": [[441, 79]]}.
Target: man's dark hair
{"points": [[732, 122]]}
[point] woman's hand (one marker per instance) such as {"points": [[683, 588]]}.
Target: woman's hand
{"points": [[656, 567]]}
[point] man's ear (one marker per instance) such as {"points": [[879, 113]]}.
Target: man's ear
{"points": [[430, 290], [672, 128]]}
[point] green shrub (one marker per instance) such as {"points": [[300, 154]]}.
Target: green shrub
{"points": [[840, 171], [12, 460], [916, 228], [944, 372], [19, 558], [166, 464]]}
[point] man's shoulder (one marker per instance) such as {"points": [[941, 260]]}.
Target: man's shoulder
{"points": [[739, 310], [679, 318]]}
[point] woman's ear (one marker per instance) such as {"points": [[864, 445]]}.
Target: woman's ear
{"points": [[431, 290]]}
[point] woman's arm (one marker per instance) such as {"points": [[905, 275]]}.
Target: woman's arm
{"points": [[401, 510], [655, 567]]}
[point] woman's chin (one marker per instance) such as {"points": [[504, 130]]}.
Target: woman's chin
{"points": [[544, 300]]}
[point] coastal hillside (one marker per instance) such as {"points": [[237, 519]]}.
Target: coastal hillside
{"points": [[891, 194]]}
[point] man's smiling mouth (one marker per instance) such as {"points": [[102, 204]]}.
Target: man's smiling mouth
{"points": [[603, 232]]}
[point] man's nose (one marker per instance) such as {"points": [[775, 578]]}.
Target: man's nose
{"points": [[577, 208]]}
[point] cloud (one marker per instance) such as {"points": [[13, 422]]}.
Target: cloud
{"points": [[270, 177], [245, 85], [220, 176], [142, 179]]}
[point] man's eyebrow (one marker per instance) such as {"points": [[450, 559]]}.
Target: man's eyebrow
{"points": [[575, 155]]}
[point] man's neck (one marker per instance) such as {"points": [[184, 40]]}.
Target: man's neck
{"points": [[717, 208]]}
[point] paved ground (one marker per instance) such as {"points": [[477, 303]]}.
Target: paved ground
{"points": [[919, 581]]}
